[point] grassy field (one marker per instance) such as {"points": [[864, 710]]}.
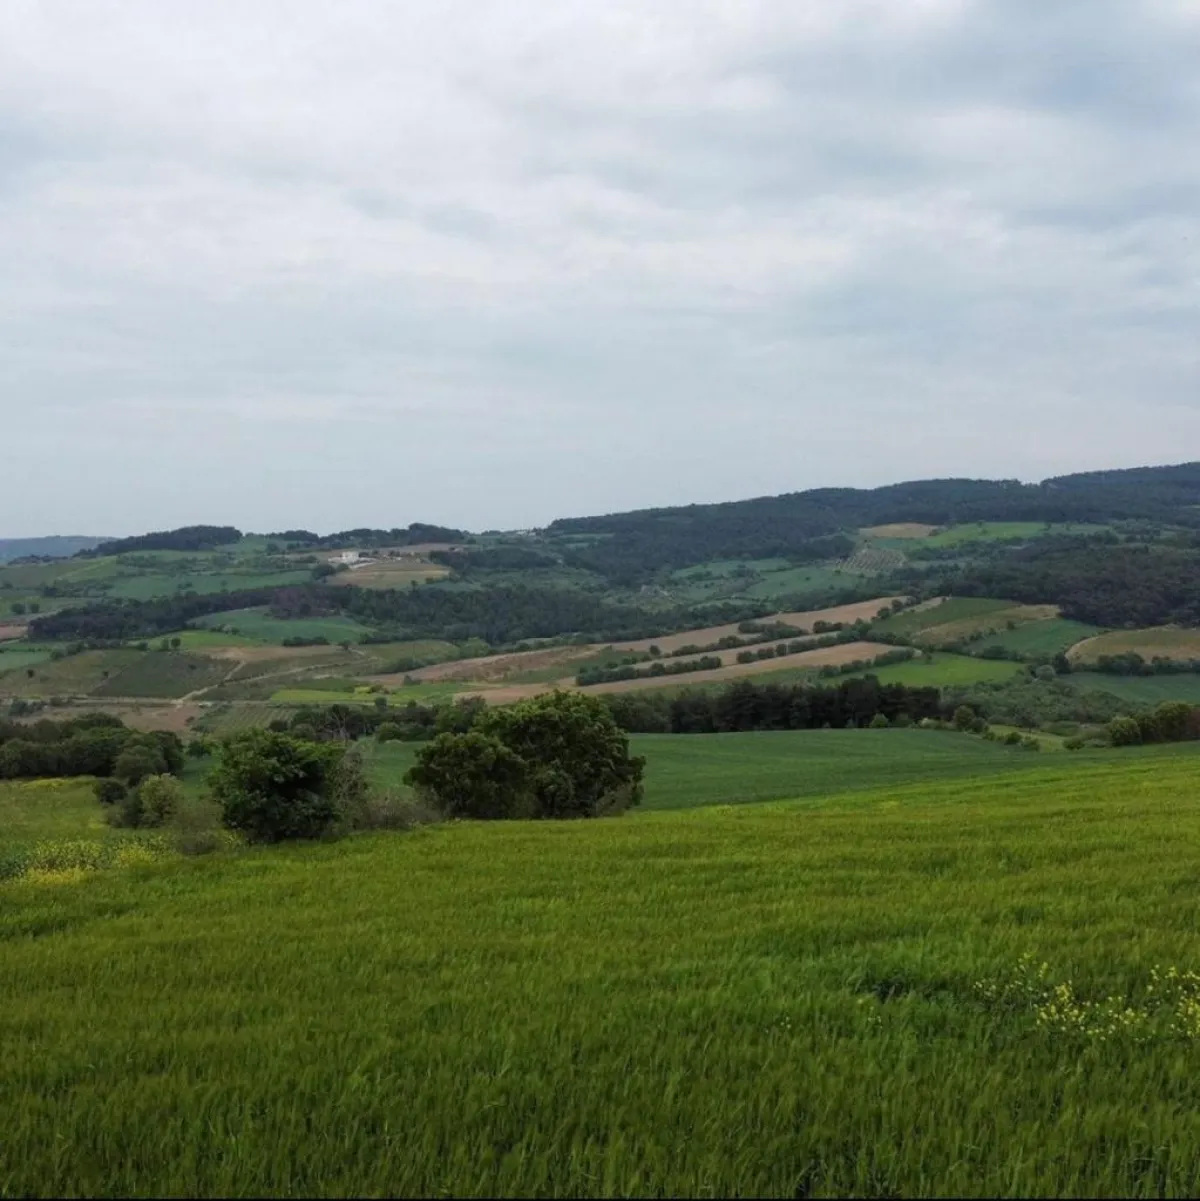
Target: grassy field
{"points": [[164, 674], [1167, 642], [17, 656], [1139, 690], [805, 998], [202, 640], [71, 676], [684, 771], [259, 625], [1004, 531], [1042, 638], [942, 670], [956, 608]]}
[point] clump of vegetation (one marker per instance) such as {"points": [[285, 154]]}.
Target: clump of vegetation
{"points": [[272, 786], [557, 756]]}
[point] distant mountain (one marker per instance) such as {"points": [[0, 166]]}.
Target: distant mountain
{"points": [[57, 547]]}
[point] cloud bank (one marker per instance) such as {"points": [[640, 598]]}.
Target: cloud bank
{"points": [[491, 263]]}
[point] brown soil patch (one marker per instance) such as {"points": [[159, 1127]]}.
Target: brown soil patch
{"points": [[900, 529], [7, 633], [390, 573], [265, 654], [490, 668], [846, 614], [827, 656]]}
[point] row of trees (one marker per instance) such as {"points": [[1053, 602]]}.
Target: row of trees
{"points": [[95, 745], [748, 706]]}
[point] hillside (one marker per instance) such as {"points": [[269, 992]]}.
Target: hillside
{"points": [[1034, 571], [836, 996]]}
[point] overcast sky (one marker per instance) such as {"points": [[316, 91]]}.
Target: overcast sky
{"points": [[363, 263]]}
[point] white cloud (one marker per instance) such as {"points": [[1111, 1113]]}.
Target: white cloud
{"points": [[491, 262]]}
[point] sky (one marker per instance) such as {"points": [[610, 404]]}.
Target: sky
{"points": [[301, 264]]}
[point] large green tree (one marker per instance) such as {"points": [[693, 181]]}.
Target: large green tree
{"points": [[555, 756], [272, 786]]}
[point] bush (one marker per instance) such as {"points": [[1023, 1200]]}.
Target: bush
{"points": [[472, 775], [161, 798], [879, 722], [578, 756], [195, 827], [273, 787], [390, 810], [389, 732], [556, 756], [109, 791], [1124, 731], [137, 763]]}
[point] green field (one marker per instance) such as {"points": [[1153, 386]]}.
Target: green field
{"points": [[164, 674], [1042, 639], [687, 770], [937, 670], [259, 625], [16, 657], [794, 999], [1139, 690], [1002, 531], [69, 676], [201, 640], [944, 670], [956, 608]]}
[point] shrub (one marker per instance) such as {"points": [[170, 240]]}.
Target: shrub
{"points": [[580, 761], [1124, 731], [390, 810], [109, 791], [472, 775], [137, 763], [273, 787], [389, 731], [161, 798], [966, 719], [195, 827], [879, 722]]}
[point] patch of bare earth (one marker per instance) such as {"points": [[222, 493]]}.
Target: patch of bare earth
{"points": [[265, 654], [827, 656], [843, 614], [900, 529], [490, 668], [8, 633]]}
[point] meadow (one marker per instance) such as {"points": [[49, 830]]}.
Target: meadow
{"points": [[1167, 642], [822, 997], [260, 626], [1139, 690], [1004, 531], [689, 770], [1042, 639], [955, 609]]}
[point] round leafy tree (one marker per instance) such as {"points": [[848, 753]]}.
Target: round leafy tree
{"points": [[472, 775], [272, 787]]}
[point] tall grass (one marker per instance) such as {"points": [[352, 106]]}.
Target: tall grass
{"points": [[791, 999]]}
